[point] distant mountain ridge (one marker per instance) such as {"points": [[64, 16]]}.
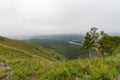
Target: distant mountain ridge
{"points": [[54, 36], [61, 37]]}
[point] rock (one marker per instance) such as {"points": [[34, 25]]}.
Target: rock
{"points": [[5, 71], [5, 68], [118, 77], [30, 78], [77, 79], [1, 65]]}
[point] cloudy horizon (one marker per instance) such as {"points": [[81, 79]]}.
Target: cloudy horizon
{"points": [[42, 17]]}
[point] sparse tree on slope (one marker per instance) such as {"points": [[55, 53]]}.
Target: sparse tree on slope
{"points": [[92, 44], [90, 41]]}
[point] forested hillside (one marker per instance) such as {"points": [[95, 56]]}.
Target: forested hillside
{"points": [[70, 51]]}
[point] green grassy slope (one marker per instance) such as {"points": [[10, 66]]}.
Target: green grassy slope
{"points": [[26, 67], [25, 59], [96, 68], [22, 63], [32, 48]]}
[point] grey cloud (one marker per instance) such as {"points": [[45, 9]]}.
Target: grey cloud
{"points": [[32, 17]]}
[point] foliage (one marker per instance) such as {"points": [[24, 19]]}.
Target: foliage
{"points": [[99, 43], [109, 43], [26, 65], [90, 42]]}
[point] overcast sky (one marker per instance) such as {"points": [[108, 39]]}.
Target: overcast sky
{"points": [[37, 17]]}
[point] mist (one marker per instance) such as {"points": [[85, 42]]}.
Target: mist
{"points": [[43, 17]]}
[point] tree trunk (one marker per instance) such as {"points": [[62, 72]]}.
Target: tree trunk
{"points": [[90, 53]]}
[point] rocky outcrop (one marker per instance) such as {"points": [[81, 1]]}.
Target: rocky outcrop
{"points": [[5, 70]]}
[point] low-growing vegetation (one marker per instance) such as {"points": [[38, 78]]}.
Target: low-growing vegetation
{"points": [[21, 60]]}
